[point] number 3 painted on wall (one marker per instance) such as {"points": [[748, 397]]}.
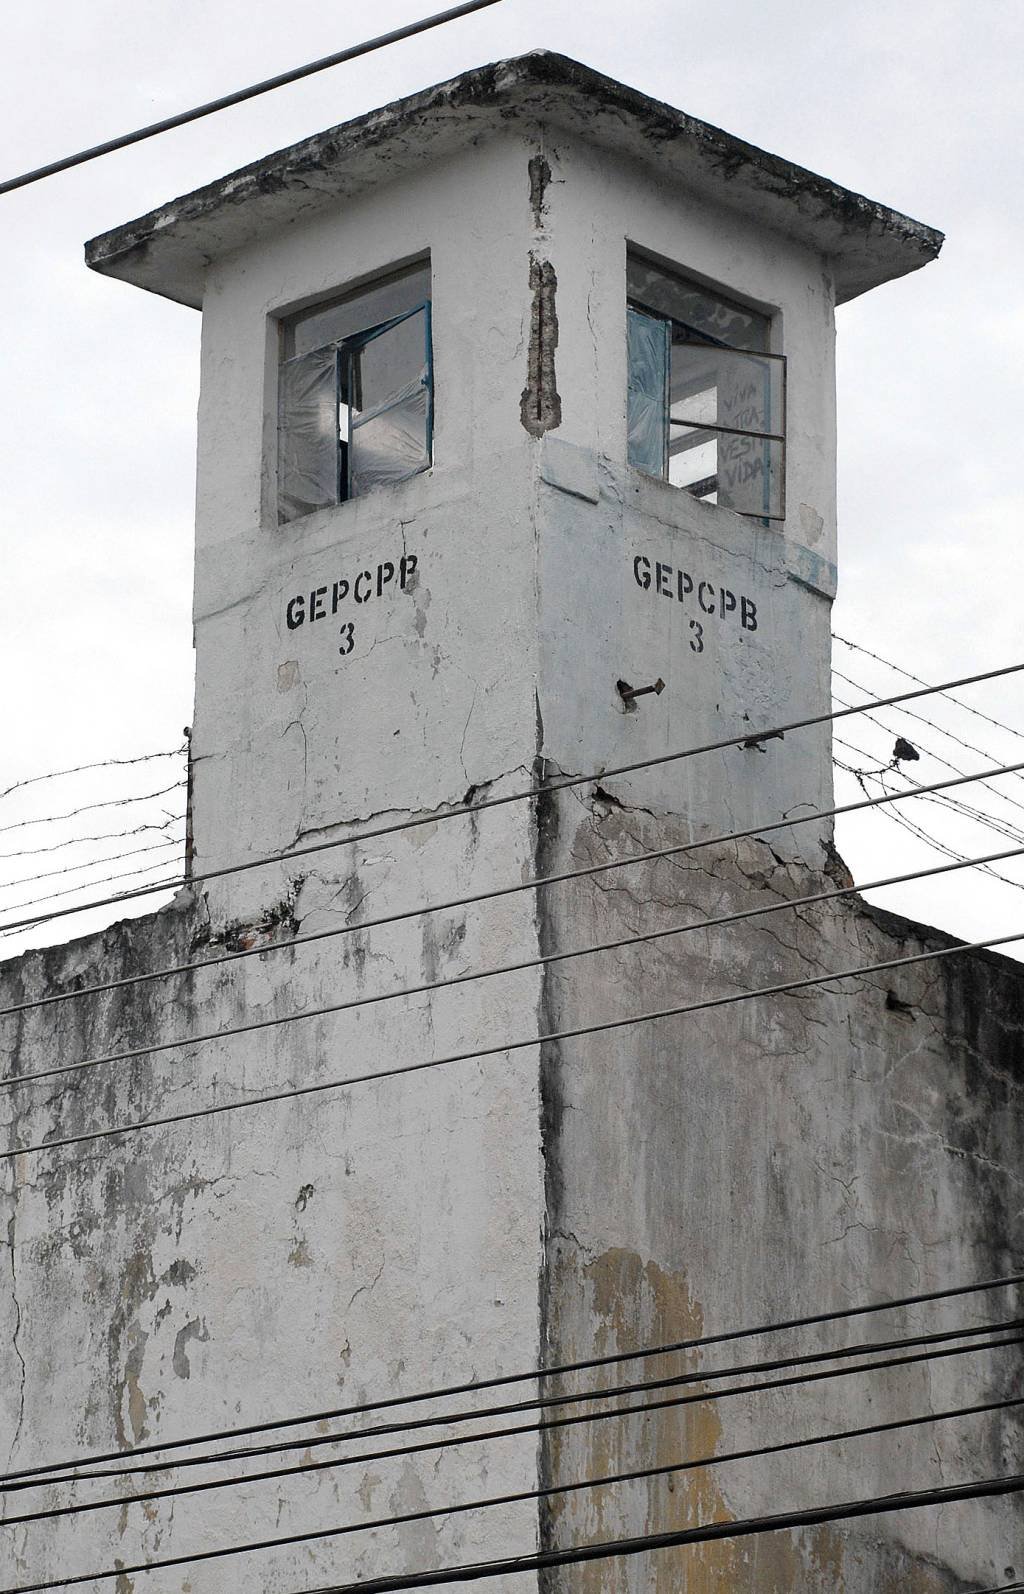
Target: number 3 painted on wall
{"points": [[697, 640], [348, 640]]}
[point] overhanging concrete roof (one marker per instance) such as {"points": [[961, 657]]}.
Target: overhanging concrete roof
{"points": [[169, 250]]}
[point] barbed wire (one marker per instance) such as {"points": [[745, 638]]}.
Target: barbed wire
{"points": [[942, 691], [546, 788], [102, 763]]}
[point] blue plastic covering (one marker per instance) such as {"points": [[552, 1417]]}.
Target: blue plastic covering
{"points": [[647, 341]]}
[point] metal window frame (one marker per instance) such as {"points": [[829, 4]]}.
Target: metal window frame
{"points": [[352, 345], [695, 336], [343, 351]]}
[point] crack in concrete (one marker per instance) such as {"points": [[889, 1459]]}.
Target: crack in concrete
{"points": [[15, 1339]]}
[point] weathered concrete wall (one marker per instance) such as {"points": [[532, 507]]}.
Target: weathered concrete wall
{"points": [[287, 1258], [787, 1155]]}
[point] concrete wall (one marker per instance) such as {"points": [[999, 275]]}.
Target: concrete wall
{"points": [[783, 1156], [424, 1229]]}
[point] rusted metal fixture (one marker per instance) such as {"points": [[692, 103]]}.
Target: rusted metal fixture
{"points": [[629, 694]]}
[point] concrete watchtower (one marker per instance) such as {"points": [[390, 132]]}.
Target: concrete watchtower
{"points": [[516, 395], [459, 359]]}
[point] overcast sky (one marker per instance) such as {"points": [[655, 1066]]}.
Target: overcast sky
{"points": [[915, 104]]}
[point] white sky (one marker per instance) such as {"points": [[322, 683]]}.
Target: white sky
{"points": [[917, 104]]}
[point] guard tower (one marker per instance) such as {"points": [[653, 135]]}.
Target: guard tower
{"points": [[516, 461]]}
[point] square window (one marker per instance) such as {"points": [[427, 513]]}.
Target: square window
{"points": [[706, 399], [355, 394]]}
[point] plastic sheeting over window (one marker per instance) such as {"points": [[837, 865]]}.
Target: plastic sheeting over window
{"points": [[389, 415], [648, 393], [355, 414], [308, 434]]}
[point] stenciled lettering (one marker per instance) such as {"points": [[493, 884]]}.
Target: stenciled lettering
{"points": [[384, 577], [710, 598]]}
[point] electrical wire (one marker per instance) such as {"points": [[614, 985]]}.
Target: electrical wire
{"points": [[103, 763], [605, 1480], [404, 1427], [544, 960], [535, 882], [479, 1053], [222, 1552], [559, 1370], [239, 95], [548, 1402], [545, 789], [943, 691], [843, 1511]]}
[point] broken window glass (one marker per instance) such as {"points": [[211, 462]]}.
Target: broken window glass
{"points": [[356, 412], [722, 394], [389, 408]]}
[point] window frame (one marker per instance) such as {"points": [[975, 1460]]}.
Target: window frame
{"points": [[636, 307], [345, 348]]}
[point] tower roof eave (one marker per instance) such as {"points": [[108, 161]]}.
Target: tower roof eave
{"points": [[169, 250]]}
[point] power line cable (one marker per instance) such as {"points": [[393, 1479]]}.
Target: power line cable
{"points": [[675, 1381], [222, 1552], [559, 1370], [943, 691], [453, 1441], [535, 882], [844, 1511], [559, 1422], [279, 80], [452, 981], [479, 1053], [665, 1469], [546, 788]]}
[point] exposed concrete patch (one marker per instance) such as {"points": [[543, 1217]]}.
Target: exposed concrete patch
{"points": [[540, 407], [540, 177]]}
